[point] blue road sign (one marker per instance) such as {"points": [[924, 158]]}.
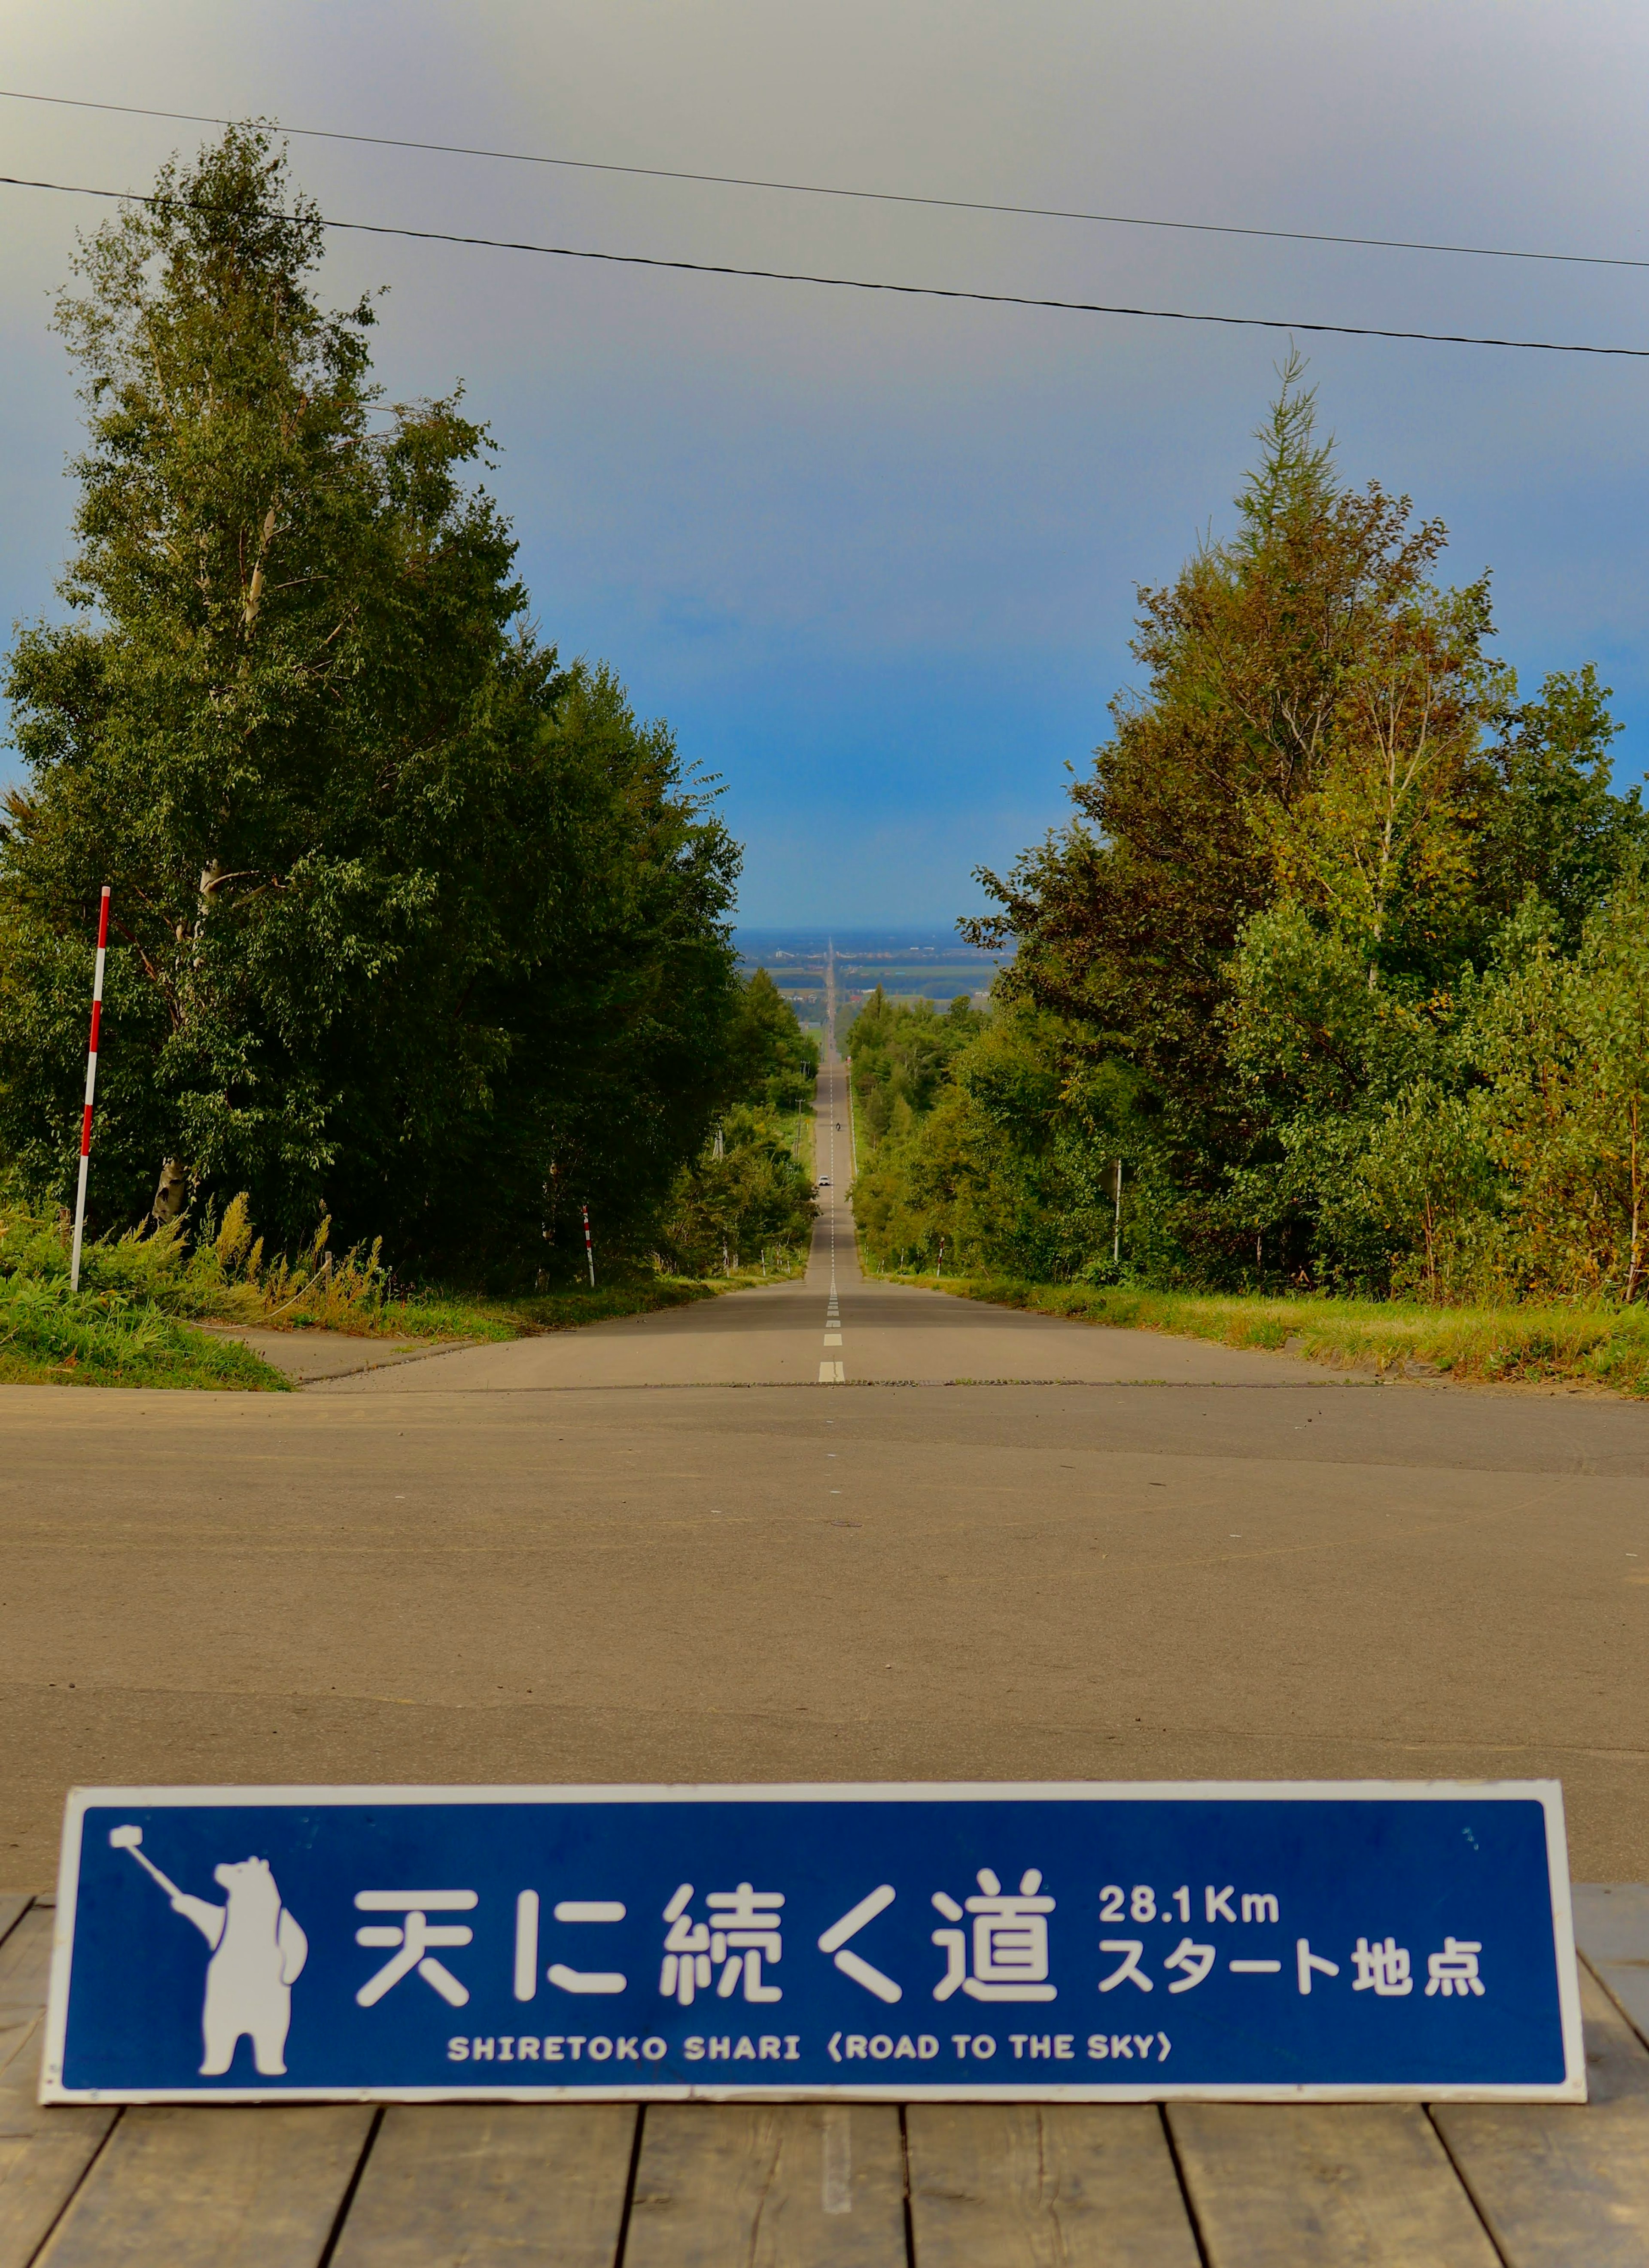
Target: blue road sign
{"points": [[1301, 1941]]}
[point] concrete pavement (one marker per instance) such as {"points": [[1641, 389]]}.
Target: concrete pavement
{"points": [[889, 1332], [522, 1563]]}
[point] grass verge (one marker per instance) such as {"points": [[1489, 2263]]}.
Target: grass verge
{"points": [[52, 1337], [107, 1336], [1606, 1347], [221, 1275], [435, 1314]]}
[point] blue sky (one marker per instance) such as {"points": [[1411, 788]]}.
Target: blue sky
{"points": [[876, 559]]}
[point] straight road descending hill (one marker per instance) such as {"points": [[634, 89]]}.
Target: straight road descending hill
{"points": [[664, 1551], [777, 1336]]}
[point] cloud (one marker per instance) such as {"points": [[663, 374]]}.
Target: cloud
{"points": [[876, 559]]}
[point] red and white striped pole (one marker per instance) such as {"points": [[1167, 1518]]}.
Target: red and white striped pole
{"points": [[91, 1089], [589, 1249]]}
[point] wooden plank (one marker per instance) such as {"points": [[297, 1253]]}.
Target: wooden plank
{"points": [[1325, 2183], [784, 2185], [26, 1963], [1045, 2185], [26, 1953], [492, 2183], [43, 2154], [20, 2115], [1612, 1931], [20, 2039], [1558, 2183], [241, 2187]]}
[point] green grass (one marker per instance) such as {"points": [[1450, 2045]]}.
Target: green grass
{"points": [[52, 1337], [1599, 1347], [133, 1322], [436, 1315], [440, 1314]]}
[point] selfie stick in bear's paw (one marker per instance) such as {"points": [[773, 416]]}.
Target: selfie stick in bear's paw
{"points": [[128, 1838]]}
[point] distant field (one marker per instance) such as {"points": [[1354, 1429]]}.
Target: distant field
{"points": [[910, 965]]}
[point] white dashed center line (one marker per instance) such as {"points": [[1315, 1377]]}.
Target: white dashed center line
{"points": [[832, 1370]]}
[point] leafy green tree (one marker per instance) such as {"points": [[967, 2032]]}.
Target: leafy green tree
{"points": [[769, 1055], [1422, 1190], [999, 1156], [1560, 1045], [411, 923], [1380, 840], [746, 1193], [901, 1053], [1305, 1029], [1300, 840], [1555, 828], [1274, 662], [1320, 1054]]}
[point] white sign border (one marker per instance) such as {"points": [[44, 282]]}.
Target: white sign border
{"points": [[1547, 1792]]}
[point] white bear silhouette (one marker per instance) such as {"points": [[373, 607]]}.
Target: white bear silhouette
{"points": [[258, 1953]]}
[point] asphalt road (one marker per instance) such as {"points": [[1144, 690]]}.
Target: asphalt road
{"points": [[661, 1549]]}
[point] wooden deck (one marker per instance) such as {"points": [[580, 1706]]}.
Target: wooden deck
{"points": [[678, 2185]]}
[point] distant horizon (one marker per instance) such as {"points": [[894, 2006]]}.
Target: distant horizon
{"points": [[909, 964], [818, 936]]}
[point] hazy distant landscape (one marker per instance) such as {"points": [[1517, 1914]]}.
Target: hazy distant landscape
{"points": [[909, 964]]}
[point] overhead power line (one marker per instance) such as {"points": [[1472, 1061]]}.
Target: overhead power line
{"points": [[905, 291], [865, 197]]}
